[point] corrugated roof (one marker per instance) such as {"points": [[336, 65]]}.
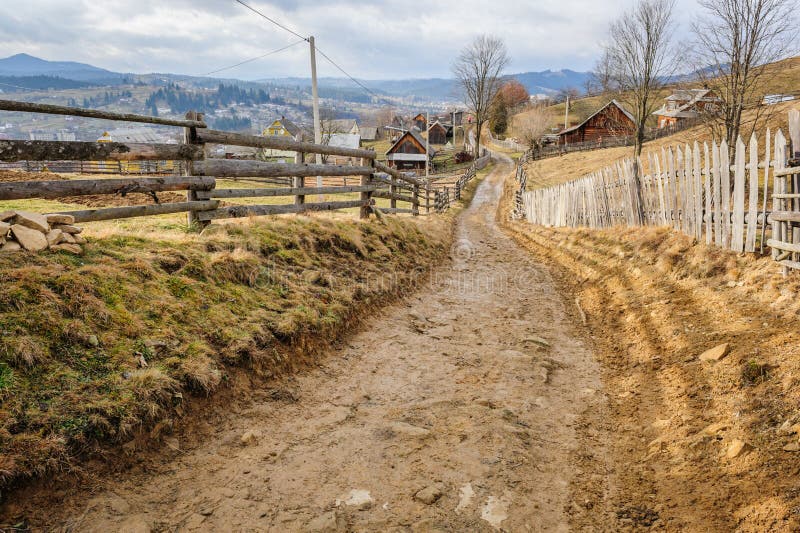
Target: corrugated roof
{"points": [[369, 133], [342, 140]]}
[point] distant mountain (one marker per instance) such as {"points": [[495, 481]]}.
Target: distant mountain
{"points": [[27, 65], [547, 81], [550, 81]]}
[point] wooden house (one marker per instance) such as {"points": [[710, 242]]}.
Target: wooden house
{"points": [[370, 133], [284, 127], [408, 152], [344, 125], [437, 134], [420, 121], [611, 120], [686, 104]]}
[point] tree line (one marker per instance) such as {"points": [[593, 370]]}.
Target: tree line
{"points": [[180, 100]]}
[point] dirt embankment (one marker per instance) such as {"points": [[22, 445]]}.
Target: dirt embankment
{"points": [[693, 445]]}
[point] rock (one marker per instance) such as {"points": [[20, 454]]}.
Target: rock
{"points": [[736, 448], [66, 247], [93, 341], [54, 236], [660, 424], [6, 216], [194, 521], [10, 246], [60, 219], [485, 402], [5, 227], [325, 523], [29, 239], [716, 428], [430, 494], [79, 239], [716, 353], [538, 341], [66, 228], [401, 428], [792, 447], [250, 437], [358, 498], [31, 220], [68, 238]]}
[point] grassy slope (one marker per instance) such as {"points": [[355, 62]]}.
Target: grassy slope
{"points": [[253, 295]]}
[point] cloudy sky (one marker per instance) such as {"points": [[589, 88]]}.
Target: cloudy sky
{"points": [[370, 39]]}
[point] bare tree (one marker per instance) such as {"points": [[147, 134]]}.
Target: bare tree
{"points": [[600, 80], [736, 42], [478, 71], [533, 124], [641, 59]]}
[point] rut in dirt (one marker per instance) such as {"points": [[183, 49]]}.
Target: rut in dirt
{"points": [[453, 410]]}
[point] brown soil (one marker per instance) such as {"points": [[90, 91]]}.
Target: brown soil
{"points": [[9, 176], [654, 301], [473, 389], [134, 198]]}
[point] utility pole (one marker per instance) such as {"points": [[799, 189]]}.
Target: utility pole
{"points": [[427, 144], [566, 114], [315, 105]]}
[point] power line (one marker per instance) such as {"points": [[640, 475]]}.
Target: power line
{"points": [[343, 71], [255, 58], [323, 54], [278, 24]]}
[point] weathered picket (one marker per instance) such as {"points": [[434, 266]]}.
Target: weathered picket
{"points": [[693, 189]]}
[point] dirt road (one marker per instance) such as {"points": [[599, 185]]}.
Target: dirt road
{"points": [[455, 410]]}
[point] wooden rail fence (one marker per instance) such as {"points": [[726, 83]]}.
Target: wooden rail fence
{"points": [[693, 189], [198, 175]]}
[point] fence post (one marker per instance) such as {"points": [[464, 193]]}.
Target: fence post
{"points": [[189, 136], [428, 199], [392, 191], [366, 196], [415, 204], [299, 182]]}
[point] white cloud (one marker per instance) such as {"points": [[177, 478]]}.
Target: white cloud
{"points": [[379, 39]]}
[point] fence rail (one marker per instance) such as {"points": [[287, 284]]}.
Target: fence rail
{"points": [[695, 190], [192, 172]]}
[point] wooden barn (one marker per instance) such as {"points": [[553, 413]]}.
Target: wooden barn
{"points": [[408, 152], [437, 133], [612, 120]]}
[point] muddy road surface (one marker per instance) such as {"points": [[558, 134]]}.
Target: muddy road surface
{"points": [[457, 409]]}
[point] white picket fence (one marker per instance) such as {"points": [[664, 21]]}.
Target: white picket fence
{"points": [[694, 189]]}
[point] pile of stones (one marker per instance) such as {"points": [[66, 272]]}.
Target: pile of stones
{"points": [[20, 230]]}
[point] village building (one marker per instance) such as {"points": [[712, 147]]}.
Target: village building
{"points": [[437, 133], [346, 125], [284, 127], [686, 104], [420, 121], [341, 140], [611, 120], [408, 152], [369, 133]]}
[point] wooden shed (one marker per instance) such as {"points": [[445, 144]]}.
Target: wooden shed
{"points": [[420, 121], [408, 152], [611, 120], [437, 134]]}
